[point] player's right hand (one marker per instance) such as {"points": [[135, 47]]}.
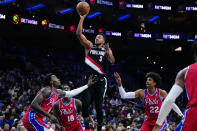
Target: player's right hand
{"points": [[83, 16], [91, 80], [118, 79], [54, 119]]}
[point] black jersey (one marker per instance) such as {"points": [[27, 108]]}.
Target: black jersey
{"points": [[96, 60]]}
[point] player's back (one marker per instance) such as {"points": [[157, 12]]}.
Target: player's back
{"points": [[152, 103], [191, 85], [68, 114]]}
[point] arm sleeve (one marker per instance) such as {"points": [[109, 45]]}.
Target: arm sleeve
{"points": [[168, 103], [75, 91], [126, 95], [177, 110]]}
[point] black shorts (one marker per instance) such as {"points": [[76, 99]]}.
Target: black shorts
{"points": [[96, 94]]}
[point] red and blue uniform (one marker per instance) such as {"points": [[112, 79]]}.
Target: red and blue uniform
{"points": [[152, 104], [189, 121], [68, 116], [33, 121]]}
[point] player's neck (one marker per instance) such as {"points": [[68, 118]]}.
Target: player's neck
{"points": [[53, 88], [151, 90], [66, 100], [100, 46]]}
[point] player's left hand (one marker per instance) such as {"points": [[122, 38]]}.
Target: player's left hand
{"points": [[107, 48], [91, 80], [118, 79], [156, 128]]}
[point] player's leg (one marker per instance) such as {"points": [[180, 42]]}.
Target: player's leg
{"points": [[99, 97], [37, 123], [86, 101], [27, 124]]}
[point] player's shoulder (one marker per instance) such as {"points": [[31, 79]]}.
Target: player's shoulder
{"points": [[163, 93], [78, 102], [46, 91]]}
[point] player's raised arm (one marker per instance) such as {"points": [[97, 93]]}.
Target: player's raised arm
{"points": [[174, 106], [83, 40], [78, 104], [76, 91], [166, 107], [127, 95], [110, 55]]}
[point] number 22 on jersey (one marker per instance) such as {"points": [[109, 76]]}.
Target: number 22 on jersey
{"points": [[154, 109]]}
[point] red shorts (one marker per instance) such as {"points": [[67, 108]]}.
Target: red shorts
{"points": [[74, 127], [189, 121], [149, 127], [32, 123]]}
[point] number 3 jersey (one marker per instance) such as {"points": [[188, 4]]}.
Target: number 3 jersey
{"points": [[68, 114], [96, 60], [152, 104]]}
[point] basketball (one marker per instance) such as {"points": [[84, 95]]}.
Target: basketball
{"points": [[83, 8]]}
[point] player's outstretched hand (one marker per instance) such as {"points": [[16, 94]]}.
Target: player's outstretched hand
{"points": [[118, 79], [91, 80]]}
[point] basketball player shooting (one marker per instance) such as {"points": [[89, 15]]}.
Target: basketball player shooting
{"points": [[97, 57]]}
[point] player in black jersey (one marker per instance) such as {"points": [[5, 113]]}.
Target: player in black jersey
{"points": [[97, 57]]}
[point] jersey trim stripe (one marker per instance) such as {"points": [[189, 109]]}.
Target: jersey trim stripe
{"points": [[89, 61], [160, 95], [68, 103], [153, 93], [105, 87]]}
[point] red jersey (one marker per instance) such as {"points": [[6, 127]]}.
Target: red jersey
{"points": [[152, 105], [46, 105], [68, 115], [191, 85]]}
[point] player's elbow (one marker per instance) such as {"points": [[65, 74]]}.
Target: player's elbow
{"points": [[78, 33], [123, 97], [33, 105]]}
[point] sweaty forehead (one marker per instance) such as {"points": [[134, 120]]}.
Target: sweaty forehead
{"points": [[100, 36]]}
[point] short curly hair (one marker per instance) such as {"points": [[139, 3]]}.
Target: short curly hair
{"points": [[156, 77], [47, 79]]}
